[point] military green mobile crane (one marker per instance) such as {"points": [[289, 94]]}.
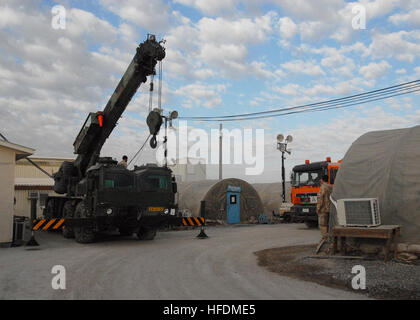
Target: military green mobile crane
{"points": [[99, 194]]}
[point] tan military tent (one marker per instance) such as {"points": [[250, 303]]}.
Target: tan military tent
{"points": [[385, 165], [271, 195], [214, 192]]}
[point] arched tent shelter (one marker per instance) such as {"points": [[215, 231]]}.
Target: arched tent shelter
{"points": [[231, 200], [271, 195], [385, 165]]}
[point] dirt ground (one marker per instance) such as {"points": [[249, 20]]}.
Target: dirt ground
{"points": [[391, 280], [176, 265]]}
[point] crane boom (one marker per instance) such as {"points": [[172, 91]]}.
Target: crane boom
{"points": [[98, 126]]}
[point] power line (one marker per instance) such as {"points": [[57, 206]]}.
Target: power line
{"points": [[339, 106], [391, 89], [379, 94]]}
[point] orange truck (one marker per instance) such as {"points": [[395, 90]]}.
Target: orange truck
{"points": [[306, 180]]}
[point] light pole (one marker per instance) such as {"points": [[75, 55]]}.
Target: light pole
{"points": [[282, 147]]}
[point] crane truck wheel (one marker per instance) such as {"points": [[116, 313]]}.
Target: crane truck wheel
{"points": [[125, 231], [83, 234], [68, 211], [146, 233]]}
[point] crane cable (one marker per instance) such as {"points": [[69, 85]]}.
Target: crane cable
{"points": [[160, 85], [138, 152], [151, 105], [374, 95], [151, 93]]}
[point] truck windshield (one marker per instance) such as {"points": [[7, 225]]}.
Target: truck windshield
{"points": [[112, 181], [156, 182], [308, 178]]}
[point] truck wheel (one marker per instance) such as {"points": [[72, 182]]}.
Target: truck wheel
{"points": [[146, 234], [68, 212], [83, 234], [125, 231], [311, 224]]}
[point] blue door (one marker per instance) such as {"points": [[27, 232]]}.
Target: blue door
{"points": [[233, 207]]}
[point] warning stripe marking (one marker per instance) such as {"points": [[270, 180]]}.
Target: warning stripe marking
{"points": [[193, 221], [39, 224], [48, 224], [59, 223]]}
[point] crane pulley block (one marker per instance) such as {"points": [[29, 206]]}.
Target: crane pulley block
{"points": [[154, 122]]}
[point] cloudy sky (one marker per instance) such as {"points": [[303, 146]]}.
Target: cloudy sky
{"points": [[223, 57]]}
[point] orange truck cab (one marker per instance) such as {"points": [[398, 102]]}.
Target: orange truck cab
{"points": [[306, 182]]}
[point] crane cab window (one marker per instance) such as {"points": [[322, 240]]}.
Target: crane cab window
{"points": [[112, 181], [156, 182]]}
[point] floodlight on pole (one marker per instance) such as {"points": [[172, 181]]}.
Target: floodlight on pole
{"points": [[282, 147], [173, 115]]}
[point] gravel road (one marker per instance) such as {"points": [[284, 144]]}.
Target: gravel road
{"points": [[175, 265]]}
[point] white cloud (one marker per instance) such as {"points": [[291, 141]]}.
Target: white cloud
{"points": [[402, 45], [151, 15], [210, 7], [198, 94], [313, 93], [49, 80], [9, 17], [332, 18], [311, 10], [80, 22], [290, 89], [287, 27], [304, 67], [227, 31], [375, 70], [218, 46], [412, 18]]}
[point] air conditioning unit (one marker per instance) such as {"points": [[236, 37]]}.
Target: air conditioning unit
{"points": [[362, 212]]}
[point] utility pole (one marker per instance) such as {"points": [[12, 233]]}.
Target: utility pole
{"points": [[220, 152], [283, 178]]}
